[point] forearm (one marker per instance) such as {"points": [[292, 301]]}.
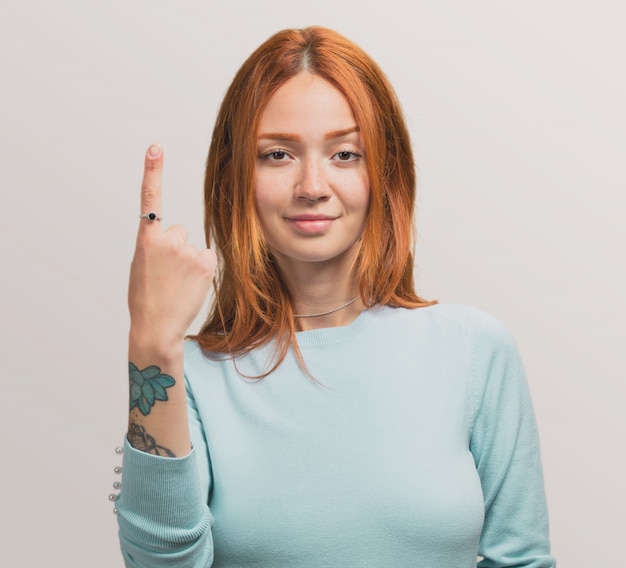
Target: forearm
{"points": [[163, 511], [162, 516], [157, 420]]}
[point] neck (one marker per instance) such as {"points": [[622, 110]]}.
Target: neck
{"points": [[328, 312], [325, 294], [343, 314], [325, 305]]}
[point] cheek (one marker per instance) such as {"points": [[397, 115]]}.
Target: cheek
{"points": [[266, 206], [361, 200], [270, 190], [353, 188], [262, 206], [261, 195]]}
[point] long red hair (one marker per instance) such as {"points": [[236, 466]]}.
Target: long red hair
{"points": [[252, 305]]}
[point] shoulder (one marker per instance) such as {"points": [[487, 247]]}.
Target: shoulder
{"points": [[496, 362], [446, 330], [192, 350], [477, 323], [479, 327], [489, 339], [196, 357]]}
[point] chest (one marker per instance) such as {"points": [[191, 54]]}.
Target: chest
{"points": [[373, 457]]}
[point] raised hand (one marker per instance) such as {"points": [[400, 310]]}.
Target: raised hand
{"points": [[169, 278]]}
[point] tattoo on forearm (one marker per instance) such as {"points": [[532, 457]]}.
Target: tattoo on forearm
{"points": [[141, 440], [147, 386]]}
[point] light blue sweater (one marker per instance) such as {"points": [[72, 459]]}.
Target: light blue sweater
{"points": [[416, 447]]}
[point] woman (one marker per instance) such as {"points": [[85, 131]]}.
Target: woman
{"points": [[325, 415]]}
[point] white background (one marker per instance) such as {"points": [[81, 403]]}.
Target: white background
{"points": [[518, 116]]}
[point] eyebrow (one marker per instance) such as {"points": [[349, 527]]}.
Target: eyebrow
{"points": [[283, 136]]}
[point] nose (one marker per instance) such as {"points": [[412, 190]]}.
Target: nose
{"points": [[311, 185]]}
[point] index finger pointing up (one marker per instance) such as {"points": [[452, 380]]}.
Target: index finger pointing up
{"points": [[151, 183]]}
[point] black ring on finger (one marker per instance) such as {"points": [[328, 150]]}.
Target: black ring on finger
{"points": [[150, 216]]}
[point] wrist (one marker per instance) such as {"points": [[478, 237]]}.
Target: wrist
{"points": [[153, 348]]}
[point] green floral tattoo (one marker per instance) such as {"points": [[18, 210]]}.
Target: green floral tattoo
{"points": [[147, 386]]}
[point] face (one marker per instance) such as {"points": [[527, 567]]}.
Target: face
{"points": [[311, 182]]}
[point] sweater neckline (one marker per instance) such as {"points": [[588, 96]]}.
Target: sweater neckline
{"points": [[328, 335]]}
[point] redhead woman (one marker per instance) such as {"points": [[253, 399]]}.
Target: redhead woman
{"points": [[325, 415]]}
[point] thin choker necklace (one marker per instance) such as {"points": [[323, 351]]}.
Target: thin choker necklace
{"points": [[329, 311]]}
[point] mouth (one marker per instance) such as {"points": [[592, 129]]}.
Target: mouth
{"points": [[310, 223]]}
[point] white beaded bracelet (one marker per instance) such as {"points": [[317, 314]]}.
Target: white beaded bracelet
{"points": [[116, 485]]}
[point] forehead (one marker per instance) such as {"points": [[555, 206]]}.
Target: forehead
{"points": [[306, 102]]}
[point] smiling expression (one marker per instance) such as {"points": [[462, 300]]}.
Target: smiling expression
{"points": [[311, 182]]}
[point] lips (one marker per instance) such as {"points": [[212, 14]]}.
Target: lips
{"points": [[311, 224]]}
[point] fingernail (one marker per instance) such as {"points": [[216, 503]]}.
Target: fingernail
{"points": [[154, 151]]}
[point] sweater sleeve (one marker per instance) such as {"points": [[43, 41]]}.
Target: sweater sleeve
{"points": [[505, 446], [163, 513]]}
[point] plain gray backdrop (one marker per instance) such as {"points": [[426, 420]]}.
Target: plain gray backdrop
{"points": [[517, 111]]}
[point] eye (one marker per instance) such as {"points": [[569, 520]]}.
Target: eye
{"points": [[346, 156], [276, 155]]}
